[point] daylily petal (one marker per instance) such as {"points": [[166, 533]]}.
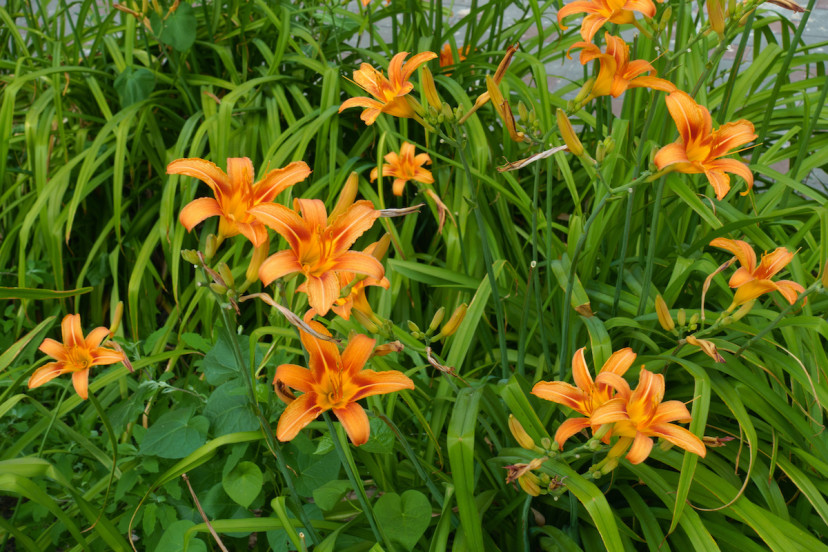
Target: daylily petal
{"points": [[352, 224], [278, 265], [81, 382], [671, 411], [324, 356], [614, 410], [561, 393], [671, 154], [286, 222], [197, 211], [680, 437], [732, 135], [645, 7], [95, 337], [579, 6], [580, 372], [591, 24], [772, 263], [322, 292], [296, 416], [619, 361], [53, 348], [46, 373], [654, 83], [742, 250], [640, 449], [103, 356], [691, 119], [71, 330], [379, 383], [294, 376], [313, 212], [740, 277], [735, 167], [790, 290], [412, 64], [240, 172], [398, 186], [752, 290], [227, 227], [254, 231], [650, 389], [615, 381], [360, 263], [355, 421], [357, 353], [568, 428], [279, 180], [204, 170]]}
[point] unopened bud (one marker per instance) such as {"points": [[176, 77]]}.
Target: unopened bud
{"points": [[190, 256], [585, 91], [716, 15], [666, 15], [346, 196], [210, 246], [454, 322], [218, 288], [694, 319], [568, 134], [529, 482], [365, 321], [256, 260], [117, 315], [226, 275], [664, 317], [609, 144], [681, 317], [412, 327], [437, 319], [429, 89], [600, 152], [742, 311], [520, 435], [522, 111]]}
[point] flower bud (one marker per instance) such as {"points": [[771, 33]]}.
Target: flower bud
{"points": [[716, 16], [210, 246], [825, 276], [218, 288], [529, 483], [412, 327], [681, 317], [437, 319], [694, 319], [600, 152], [190, 256], [365, 321], [226, 275], [664, 317], [585, 91], [568, 134], [742, 311], [256, 260], [666, 15], [429, 89], [454, 322], [520, 435], [346, 196], [522, 111], [117, 315]]}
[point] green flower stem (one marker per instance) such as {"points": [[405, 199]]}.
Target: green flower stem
{"points": [[113, 440], [350, 469], [487, 256], [567, 309], [272, 443], [648, 268], [435, 492]]}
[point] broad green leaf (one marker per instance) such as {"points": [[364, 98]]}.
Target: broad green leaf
{"points": [[243, 483], [134, 84], [175, 434], [404, 518]]}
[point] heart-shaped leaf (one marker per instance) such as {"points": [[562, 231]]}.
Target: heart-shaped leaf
{"points": [[243, 483], [404, 518]]}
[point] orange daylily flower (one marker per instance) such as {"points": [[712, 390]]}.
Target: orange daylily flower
{"points": [[404, 167], [75, 355], [587, 396], [752, 281], [699, 147], [601, 11], [319, 246], [333, 382], [235, 194], [447, 55], [390, 93], [640, 415], [617, 72]]}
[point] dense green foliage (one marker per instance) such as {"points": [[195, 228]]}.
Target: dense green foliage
{"points": [[95, 104]]}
